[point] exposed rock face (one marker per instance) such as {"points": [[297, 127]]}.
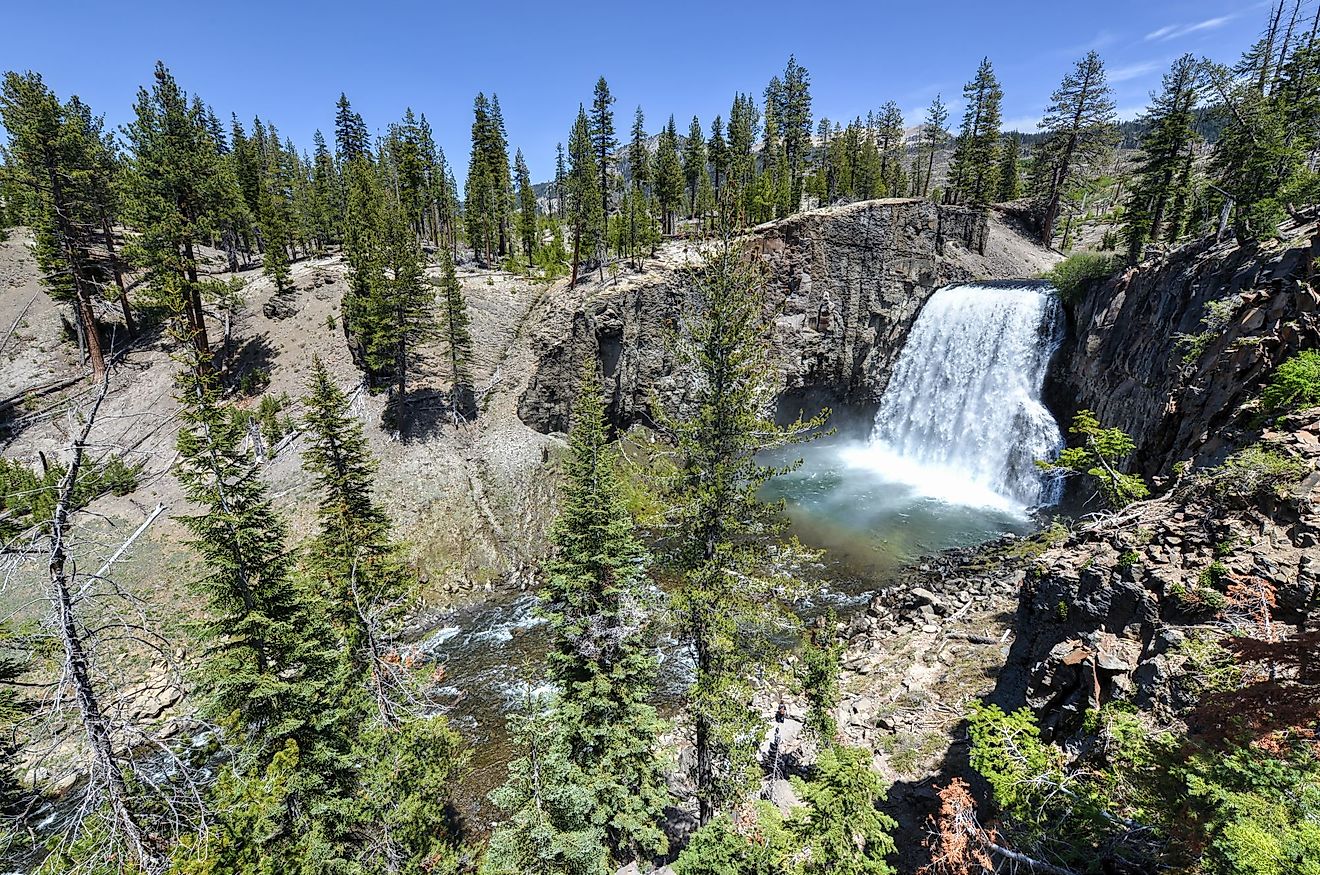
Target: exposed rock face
{"points": [[1125, 360], [1108, 612], [844, 286]]}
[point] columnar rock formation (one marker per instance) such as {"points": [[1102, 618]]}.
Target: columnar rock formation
{"points": [[1171, 351], [843, 287]]}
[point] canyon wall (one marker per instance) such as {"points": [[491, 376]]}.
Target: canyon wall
{"points": [[843, 288], [1173, 351]]}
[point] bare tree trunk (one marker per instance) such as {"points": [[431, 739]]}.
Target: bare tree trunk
{"points": [[106, 765]]}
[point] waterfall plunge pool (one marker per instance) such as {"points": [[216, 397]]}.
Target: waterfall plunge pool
{"points": [[948, 462]]}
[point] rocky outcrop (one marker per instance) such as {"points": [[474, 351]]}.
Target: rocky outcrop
{"points": [[843, 287], [1173, 351], [1123, 607]]}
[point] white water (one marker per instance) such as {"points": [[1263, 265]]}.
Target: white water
{"points": [[961, 420]]}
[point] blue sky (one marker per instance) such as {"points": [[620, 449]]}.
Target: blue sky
{"points": [[288, 62]]}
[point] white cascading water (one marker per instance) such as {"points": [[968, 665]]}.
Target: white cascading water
{"points": [[962, 420]]}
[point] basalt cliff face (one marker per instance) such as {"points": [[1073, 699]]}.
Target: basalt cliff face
{"points": [[1173, 351], [843, 288]]}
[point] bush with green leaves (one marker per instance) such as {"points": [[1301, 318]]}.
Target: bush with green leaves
{"points": [[1250, 472], [1077, 273], [1098, 458], [1295, 384]]}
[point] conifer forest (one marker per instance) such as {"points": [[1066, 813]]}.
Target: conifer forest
{"points": [[760, 493]]}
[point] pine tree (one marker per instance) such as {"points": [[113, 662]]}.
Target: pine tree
{"points": [[53, 158], [934, 137], [561, 179], [351, 140], [694, 162], [668, 176], [1009, 186], [839, 830], [973, 170], [718, 150], [270, 664], [170, 190], [548, 830], [724, 592], [275, 219], [400, 306], [891, 147], [352, 559], [583, 198], [488, 195], [325, 188], [1166, 147], [455, 332], [526, 206], [1080, 130], [789, 100], [603, 141], [602, 657]]}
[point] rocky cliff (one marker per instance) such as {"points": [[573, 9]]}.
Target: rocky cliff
{"points": [[1172, 351], [843, 287], [1130, 606]]}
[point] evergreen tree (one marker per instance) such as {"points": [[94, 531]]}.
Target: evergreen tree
{"points": [[1079, 131], [275, 218], [455, 332], [744, 120], [934, 137], [352, 560], [788, 102], [668, 176], [718, 150], [170, 193], [601, 656], [325, 188], [561, 179], [53, 158], [639, 155], [891, 147], [583, 199], [724, 591], [603, 141], [351, 139], [270, 666], [488, 196], [973, 170], [548, 830], [694, 162], [400, 306], [526, 206], [1009, 186], [1166, 148], [839, 831]]}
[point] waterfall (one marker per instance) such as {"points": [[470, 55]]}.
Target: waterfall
{"points": [[961, 419]]}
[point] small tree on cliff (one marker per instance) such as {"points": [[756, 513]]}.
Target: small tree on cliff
{"points": [[1098, 457]]}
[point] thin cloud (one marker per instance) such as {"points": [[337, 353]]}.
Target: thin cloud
{"points": [[1026, 124], [1175, 31], [1133, 71]]}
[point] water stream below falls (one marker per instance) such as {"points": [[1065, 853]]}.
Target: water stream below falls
{"points": [[947, 462]]}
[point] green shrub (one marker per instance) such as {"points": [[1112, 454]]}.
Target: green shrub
{"points": [[1295, 384], [1098, 458], [1249, 473], [1129, 559], [1078, 272]]}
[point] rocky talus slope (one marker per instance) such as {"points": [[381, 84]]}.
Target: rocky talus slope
{"points": [[1119, 608], [1173, 350], [843, 286]]}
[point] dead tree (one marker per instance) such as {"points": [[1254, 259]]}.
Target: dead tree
{"points": [[139, 788]]}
